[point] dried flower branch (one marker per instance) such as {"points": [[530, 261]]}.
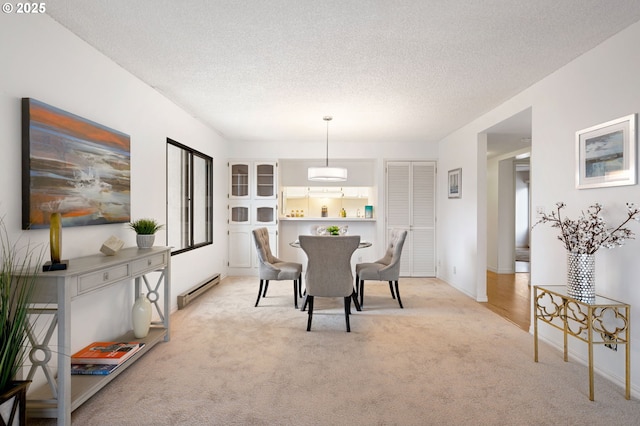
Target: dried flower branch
{"points": [[587, 234]]}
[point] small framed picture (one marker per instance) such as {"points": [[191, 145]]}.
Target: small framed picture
{"points": [[606, 154], [455, 183]]}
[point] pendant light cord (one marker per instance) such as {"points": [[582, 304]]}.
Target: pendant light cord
{"points": [[327, 118]]}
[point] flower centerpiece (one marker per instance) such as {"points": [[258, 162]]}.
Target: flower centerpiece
{"points": [[333, 230], [582, 238]]}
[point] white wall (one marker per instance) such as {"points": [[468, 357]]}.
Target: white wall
{"points": [[492, 214], [42, 60], [596, 87], [458, 220], [506, 216], [337, 150]]}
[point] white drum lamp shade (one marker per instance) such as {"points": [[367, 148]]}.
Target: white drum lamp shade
{"points": [[326, 173]]}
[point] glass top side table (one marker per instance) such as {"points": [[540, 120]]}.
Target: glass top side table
{"points": [[604, 322]]}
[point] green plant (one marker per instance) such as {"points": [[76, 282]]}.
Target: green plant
{"points": [[19, 267], [333, 230], [145, 226]]}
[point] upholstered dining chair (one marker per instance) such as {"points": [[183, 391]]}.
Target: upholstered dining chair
{"points": [[272, 268], [328, 271], [385, 269]]}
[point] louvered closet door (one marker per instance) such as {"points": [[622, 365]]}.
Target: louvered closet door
{"points": [[398, 208], [423, 219], [410, 195]]}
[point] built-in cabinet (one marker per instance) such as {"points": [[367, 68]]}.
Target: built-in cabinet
{"points": [[410, 205], [253, 203]]}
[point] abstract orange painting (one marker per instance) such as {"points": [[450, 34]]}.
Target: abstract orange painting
{"points": [[73, 166]]}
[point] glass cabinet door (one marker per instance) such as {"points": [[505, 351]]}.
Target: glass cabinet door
{"points": [[239, 214], [265, 214], [265, 182], [239, 180]]}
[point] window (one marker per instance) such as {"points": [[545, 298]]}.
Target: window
{"points": [[189, 198]]}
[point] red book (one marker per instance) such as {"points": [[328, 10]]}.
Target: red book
{"points": [[106, 352]]}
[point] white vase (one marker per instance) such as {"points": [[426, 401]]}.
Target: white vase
{"points": [[581, 276], [141, 316], [145, 240]]}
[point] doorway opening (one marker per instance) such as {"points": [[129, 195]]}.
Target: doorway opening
{"points": [[508, 195]]}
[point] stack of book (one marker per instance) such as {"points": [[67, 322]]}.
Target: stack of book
{"points": [[102, 358]]}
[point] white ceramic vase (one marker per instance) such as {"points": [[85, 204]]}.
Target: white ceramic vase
{"points": [[145, 240], [141, 316]]}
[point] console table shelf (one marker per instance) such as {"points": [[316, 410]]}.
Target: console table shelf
{"points": [[603, 322], [55, 290]]}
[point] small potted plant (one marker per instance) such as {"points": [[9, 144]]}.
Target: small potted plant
{"points": [[145, 231], [19, 267], [333, 230]]}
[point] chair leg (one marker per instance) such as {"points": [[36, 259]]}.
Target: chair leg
{"points": [[310, 316], [300, 285], [295, 293], [259, 293], [356, 284], [354, 297], [347, 311], [398, 294], [391, 289], [361, 293], [266, 286]]}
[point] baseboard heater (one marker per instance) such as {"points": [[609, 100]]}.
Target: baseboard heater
{"points": [[190, 295]]}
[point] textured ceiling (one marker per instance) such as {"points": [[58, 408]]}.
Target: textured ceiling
{"points": [[386, 70]]}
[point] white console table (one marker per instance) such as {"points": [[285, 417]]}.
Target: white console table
{"points": [[63, 392]]}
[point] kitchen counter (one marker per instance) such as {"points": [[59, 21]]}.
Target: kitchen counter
{"points": [[327, 219]]}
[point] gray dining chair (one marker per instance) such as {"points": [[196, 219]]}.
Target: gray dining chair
{"points": [[272, 268], [385, 269], [328, 271]]}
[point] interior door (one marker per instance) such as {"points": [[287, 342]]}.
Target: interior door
{"points": [[410, 195]]}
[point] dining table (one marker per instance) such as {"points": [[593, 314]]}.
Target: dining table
{"points": [[362, 244]]}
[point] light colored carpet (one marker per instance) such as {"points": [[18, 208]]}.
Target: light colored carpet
{"points": [[443, 360]]}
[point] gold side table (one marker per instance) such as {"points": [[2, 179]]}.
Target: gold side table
{"points": [[604, 322]]}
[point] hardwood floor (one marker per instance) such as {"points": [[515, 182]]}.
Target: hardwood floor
{"points": [[510, 297]]}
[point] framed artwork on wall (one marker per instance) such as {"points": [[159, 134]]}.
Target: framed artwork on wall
{"points": [[74, 167], [606, 154], [455, 183]]}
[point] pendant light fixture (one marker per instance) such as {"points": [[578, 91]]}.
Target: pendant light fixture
{"points": [[326, 173]]}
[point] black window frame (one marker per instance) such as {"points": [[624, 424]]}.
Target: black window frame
{"points": [[191, 185]]}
